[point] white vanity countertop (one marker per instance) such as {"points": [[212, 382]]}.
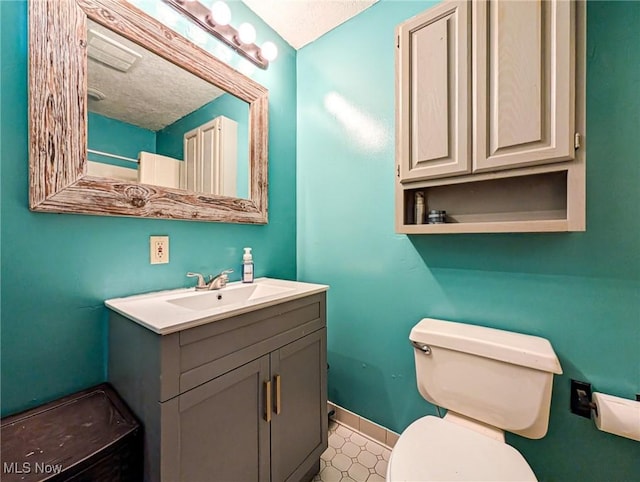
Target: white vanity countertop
{"points": [[165, 312]]}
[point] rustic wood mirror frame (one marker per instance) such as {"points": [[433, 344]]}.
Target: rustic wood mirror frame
{"points": [[58, 180]]}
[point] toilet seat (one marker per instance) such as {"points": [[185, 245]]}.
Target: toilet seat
{"points": [[434, 449]]}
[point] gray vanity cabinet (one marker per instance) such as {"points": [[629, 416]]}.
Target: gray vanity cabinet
{"points": [[240, 399]]}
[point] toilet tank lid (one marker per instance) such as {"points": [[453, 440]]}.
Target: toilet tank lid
{"points": [[516, 348]]}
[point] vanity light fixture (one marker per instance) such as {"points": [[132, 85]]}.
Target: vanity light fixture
{"points": [[215, 20]]}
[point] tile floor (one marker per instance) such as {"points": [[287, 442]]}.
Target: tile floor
{"points": [[352, 457]]}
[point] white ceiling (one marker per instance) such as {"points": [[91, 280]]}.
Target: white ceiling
{"points": [[300, 22], [152, 94]]}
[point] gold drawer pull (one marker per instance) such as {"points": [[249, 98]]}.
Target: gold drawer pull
{"points": [[278, 393], [267, 401]]}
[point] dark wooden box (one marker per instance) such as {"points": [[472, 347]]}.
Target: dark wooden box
{"points": [[88, 436]]}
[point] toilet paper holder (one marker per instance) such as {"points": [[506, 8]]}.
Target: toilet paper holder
{"points": [[585, 401], [581, 403], [615, 415]]}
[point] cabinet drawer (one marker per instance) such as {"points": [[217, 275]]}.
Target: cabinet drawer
{"points": [[210, 350]]}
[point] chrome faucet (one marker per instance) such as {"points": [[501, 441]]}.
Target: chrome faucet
{"points": [[220, 280], [215, 282]]}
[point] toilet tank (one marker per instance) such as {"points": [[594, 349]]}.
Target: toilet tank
{"points": [[501, 378]]}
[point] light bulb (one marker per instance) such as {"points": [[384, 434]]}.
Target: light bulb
{"points": [[220, 13], [246, 33], [197, 35], [167, 15], [269, 51]]}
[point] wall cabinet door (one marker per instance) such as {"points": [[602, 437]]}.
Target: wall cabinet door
{"points": [[189, 177], [523, 83], [222, 428], [433, 108], [211, 158], [299, 423]]}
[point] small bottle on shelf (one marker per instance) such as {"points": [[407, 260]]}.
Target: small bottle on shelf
{"points": [[419, 214], [437, 216]]}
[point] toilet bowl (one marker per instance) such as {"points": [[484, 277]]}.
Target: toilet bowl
{"points": [[434, 449], [491, 381]]}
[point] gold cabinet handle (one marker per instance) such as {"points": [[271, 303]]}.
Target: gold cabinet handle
{"points": [[267, 401], [278, 406]]}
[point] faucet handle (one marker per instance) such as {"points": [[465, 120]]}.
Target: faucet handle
{"points": [[201, 282], [220, 281], [223, 276]]}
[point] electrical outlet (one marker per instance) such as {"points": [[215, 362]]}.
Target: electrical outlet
{"points": [[159, 249], [580, 399]]}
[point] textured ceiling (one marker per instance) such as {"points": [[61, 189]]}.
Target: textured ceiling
{"points": [[152, 95], [300, 22]]}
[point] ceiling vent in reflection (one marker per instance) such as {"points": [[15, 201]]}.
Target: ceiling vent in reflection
{"points": [[109, 52]]}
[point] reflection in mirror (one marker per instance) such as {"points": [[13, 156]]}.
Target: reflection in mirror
{"points": [[60, 180], [153, 122]]}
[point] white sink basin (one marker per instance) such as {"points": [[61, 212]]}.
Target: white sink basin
{"points": [[231, 294], [166, 312]]}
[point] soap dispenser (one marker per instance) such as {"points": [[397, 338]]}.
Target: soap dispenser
{"points": [[247, 266]]}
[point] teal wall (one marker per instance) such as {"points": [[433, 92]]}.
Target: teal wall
{"points": [[117, 137], [170, 140], [58, 269], [579, 290]]}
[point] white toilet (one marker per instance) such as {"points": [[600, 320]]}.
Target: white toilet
{"points": [[489, 381]]}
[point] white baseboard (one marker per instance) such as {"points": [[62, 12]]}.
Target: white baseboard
{"points": [[372, 430]]}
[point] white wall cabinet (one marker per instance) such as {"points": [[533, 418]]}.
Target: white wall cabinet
{"points": [[490, 107], [211, 158]]}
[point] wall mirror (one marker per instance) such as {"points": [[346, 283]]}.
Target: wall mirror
{"points": [[128, 118]]}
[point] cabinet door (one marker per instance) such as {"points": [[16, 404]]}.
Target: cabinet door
{"points": [[209, 156], [189, 176], [523, 75], [433, 69], [222, 429], [228, 156], [299, 424]]}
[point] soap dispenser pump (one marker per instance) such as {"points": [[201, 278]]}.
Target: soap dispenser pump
{"points": [[247, 266]]}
